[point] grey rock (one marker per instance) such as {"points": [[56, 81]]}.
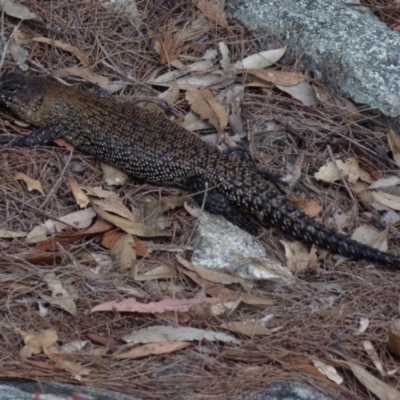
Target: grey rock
{"points": [[352, 49], [285, 391], [218, 244], [28, 390]]}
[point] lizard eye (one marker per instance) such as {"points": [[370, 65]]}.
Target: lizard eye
{"points": [[11, 90]]}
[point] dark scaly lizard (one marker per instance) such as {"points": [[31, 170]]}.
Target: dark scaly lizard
{"points": [[155, 150]]}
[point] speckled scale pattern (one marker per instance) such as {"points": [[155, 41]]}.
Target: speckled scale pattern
{"points": [[150, 147]]}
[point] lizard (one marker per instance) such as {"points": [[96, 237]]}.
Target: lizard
{"points": [[150, 147]]}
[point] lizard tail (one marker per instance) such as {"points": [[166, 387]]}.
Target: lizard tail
{"points": [[295, 223]]}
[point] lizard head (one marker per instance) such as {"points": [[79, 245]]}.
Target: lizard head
{"points": [[22, 95]]}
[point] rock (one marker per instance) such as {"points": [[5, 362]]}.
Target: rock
{"points": [[354, 51], [28, 390], [218, 244], [285, 391]]}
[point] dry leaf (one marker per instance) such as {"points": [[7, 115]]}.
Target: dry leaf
{"points": [[123, 252], [34, 343], [250, 328], [330, 172], [194, 31], [310, 207], [373, 355], [393, 343], [261, 60], [19, 11], [115, 206], [19, 55], [394, 144], [32, 184], [59, 296], [132, 305], [79, 54], [171, 94], [162, 333], [370, 236], [387, 199], [64, 363], [113, 176], [212, 11], [386, 182], [303, 92], [207, 106], [329, 371], [212, 276], [169, 47], [129, 226], [225, 61], [80, 197], [99, 192], [61, 142], [76, 346], [298, 257], [283, 78], [79, 220], [259, 83], [85, 73], [6, 234], [153, 348], [161, 272], [380, 389]]}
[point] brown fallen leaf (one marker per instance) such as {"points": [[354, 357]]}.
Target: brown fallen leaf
{"points": [[380, 389], [394, 144], [35, 342], [113, 176], [332, 171], [16, 10], [204, 103], [168, 46], [153, 348], [171, 94], [80, 196], [283, 78], [250, 328], [65, 363], [161, 272], [123, 252], [161, 333], [68, 237], [212, 11], [298, 256], [85, 73], [212, 276], [134, 228], [59, 295], [132, 305], [6, 234], [303, 92], [21, 38], [32, 184], [310, 207], [393, 343], [261, 60], [61, 142]]}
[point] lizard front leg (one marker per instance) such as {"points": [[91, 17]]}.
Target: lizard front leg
{"points": [[38, 137]]}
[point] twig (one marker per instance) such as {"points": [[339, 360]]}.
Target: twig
{"points": [[59, 180]]}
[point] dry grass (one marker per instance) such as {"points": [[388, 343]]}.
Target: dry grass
{"points": [[317, 318]]}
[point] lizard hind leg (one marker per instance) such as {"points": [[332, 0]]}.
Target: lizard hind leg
{"points": [[217, 203], [243, 155]]}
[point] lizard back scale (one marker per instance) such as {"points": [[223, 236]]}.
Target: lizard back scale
{"points": [[150, 147]]}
